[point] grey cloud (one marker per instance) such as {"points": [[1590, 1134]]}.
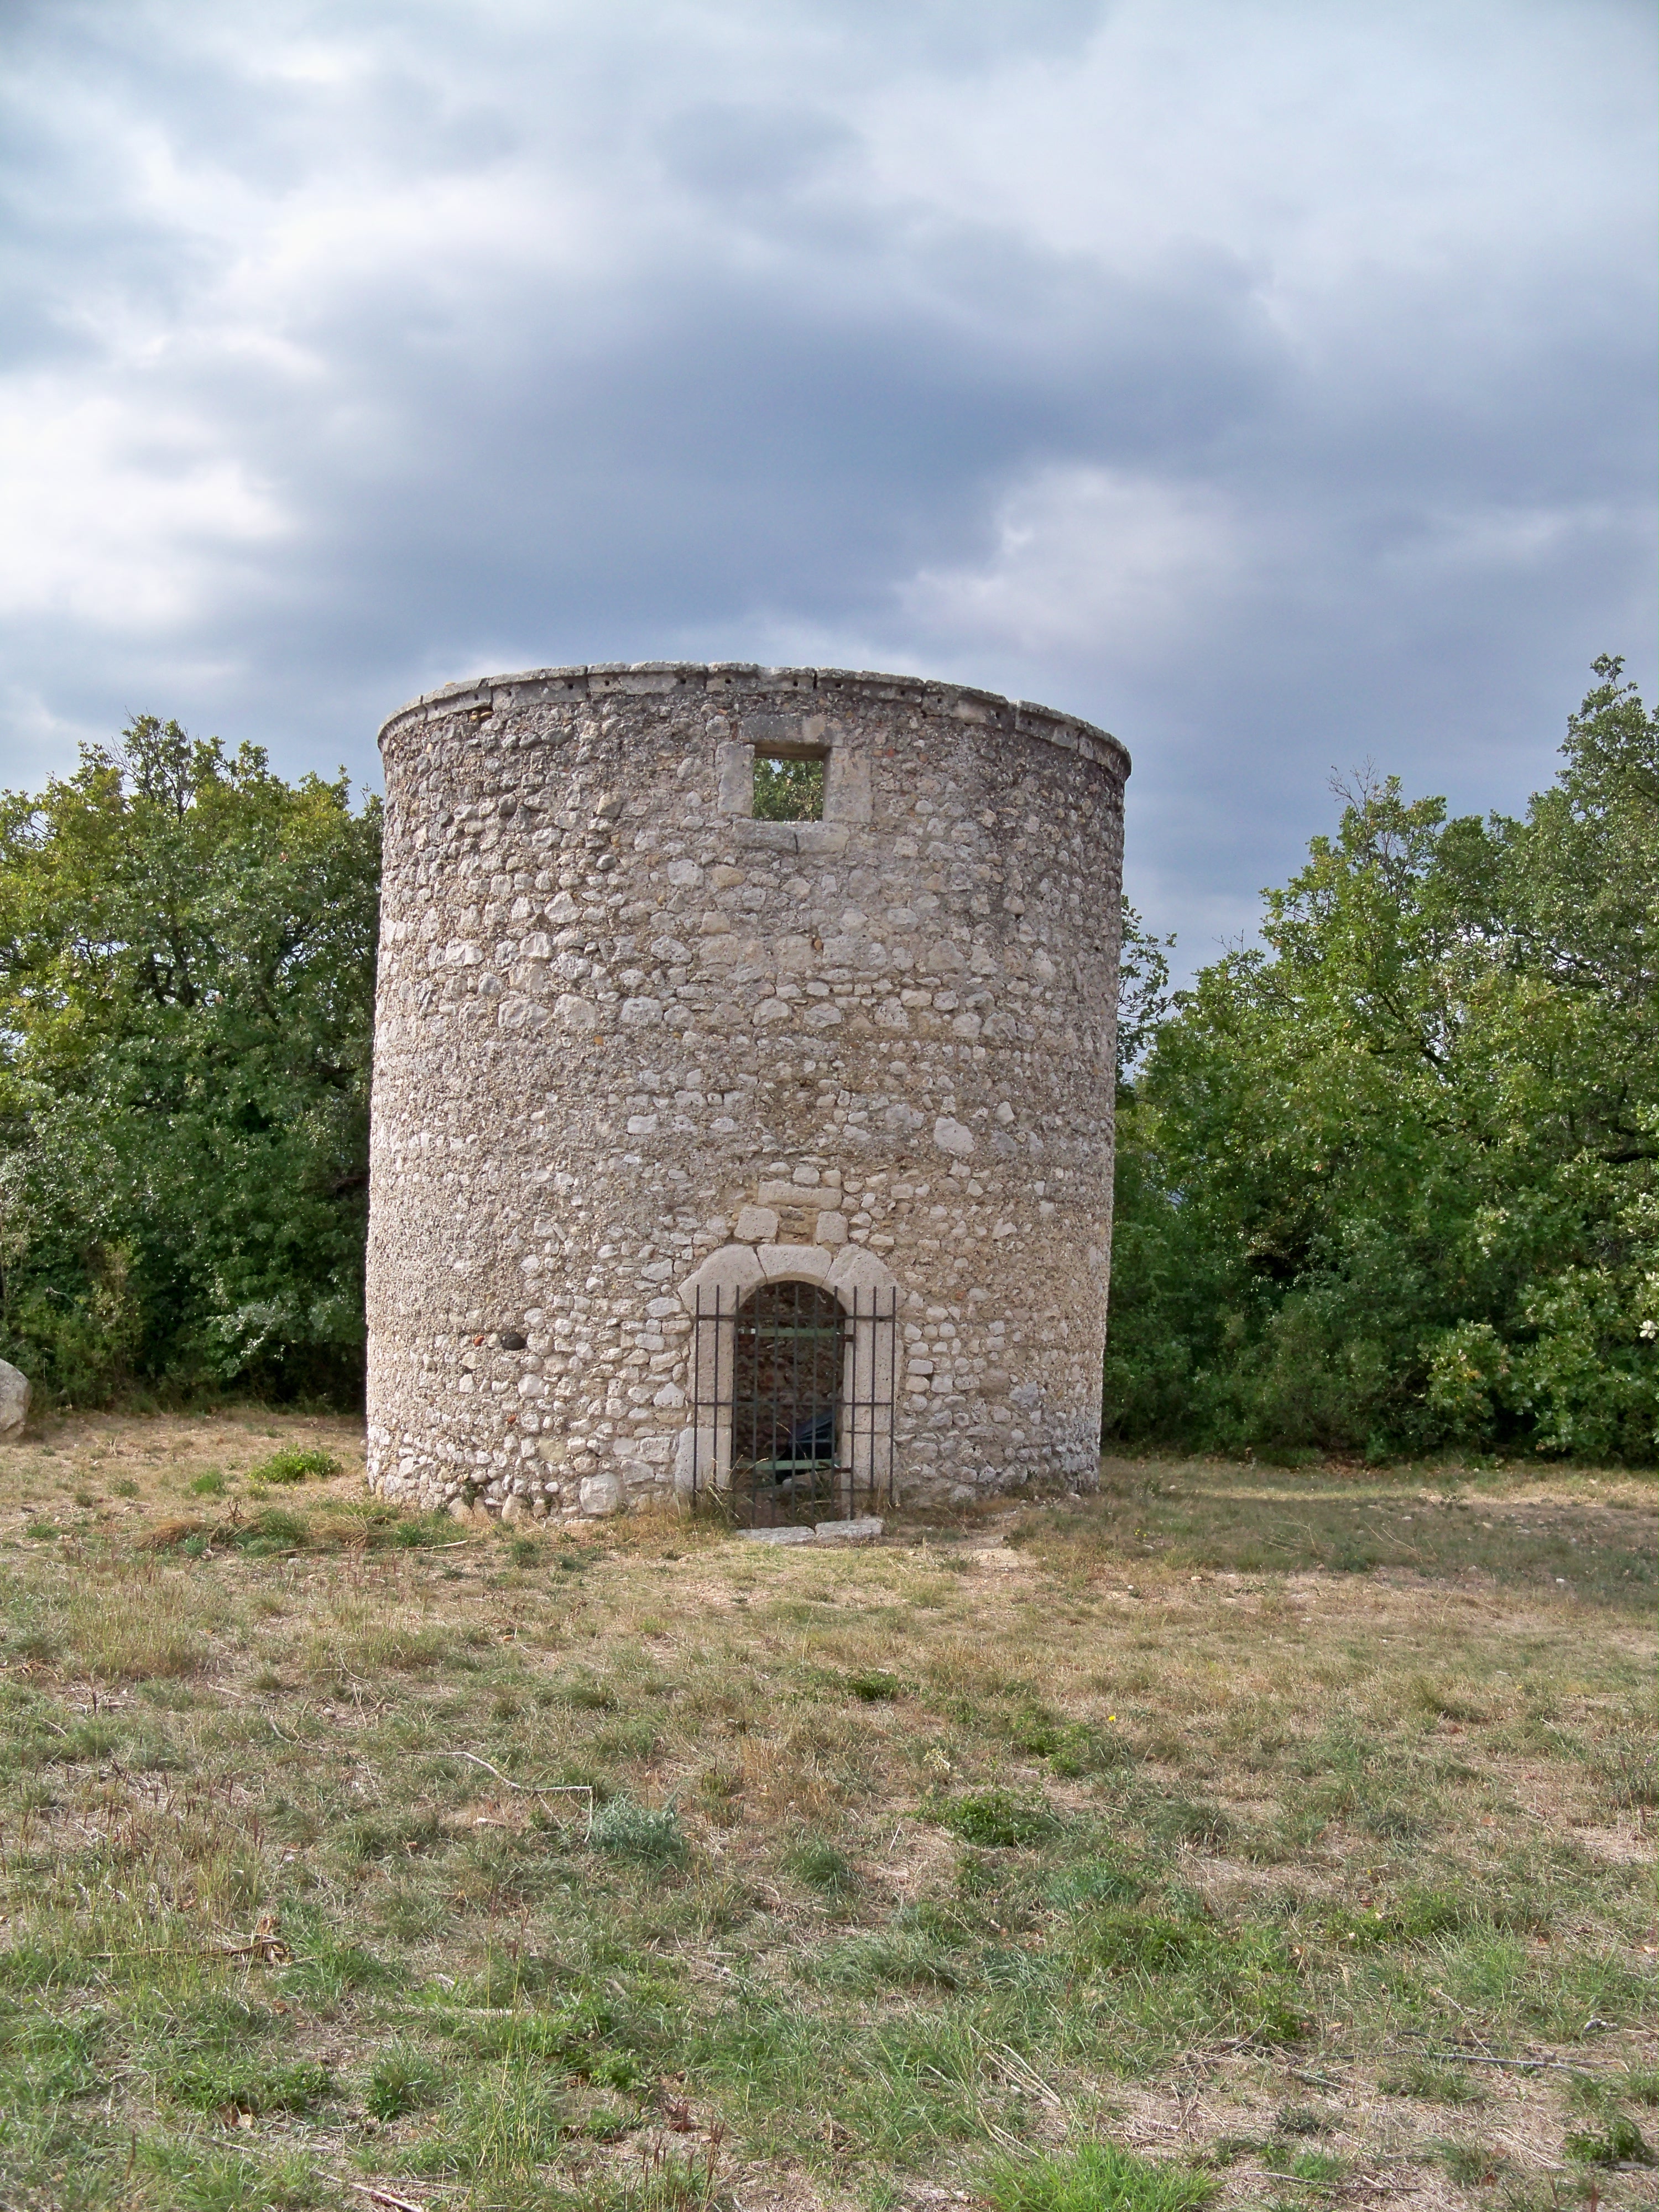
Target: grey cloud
{"points": [[736, 153], [545, 342]]}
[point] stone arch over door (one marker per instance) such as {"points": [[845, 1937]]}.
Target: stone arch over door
{"points": [[868, 1294]]}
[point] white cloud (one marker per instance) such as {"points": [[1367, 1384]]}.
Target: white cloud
{"points": [[1088, 560], [119, 516], [1332, 151]]}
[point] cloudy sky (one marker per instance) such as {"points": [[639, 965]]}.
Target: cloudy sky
{"points": [[1268, 380]]}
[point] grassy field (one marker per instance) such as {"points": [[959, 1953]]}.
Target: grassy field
{"points": [[1242, 1836]]}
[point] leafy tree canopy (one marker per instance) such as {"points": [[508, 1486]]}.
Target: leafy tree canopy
{"points": [[1387, 1181], [186, 987]]}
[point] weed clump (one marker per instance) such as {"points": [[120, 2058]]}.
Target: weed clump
{"points": [[326, 1969], [1242, 1972], [403, 2079], [872, 1687], [1072, 1748], [652, 1837], [272, 1531], [499, 2124], [1321, 2167], [1618, 2142], [276, 1528], [1437, 2085], [586, 1692], [1092, 1883], [1194, 1821], [995, 1819], [1147, 1942], [816, 1862], [1470, 2165], [1301, 2120], [293, 1467], [170, 1535], [1632, 1778]]}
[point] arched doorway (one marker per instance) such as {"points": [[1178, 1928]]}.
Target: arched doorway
{"points": [[793, 1384], [789, 1344]]}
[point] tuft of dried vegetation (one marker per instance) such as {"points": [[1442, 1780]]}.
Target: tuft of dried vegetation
{"points": [[1239, 1836]]}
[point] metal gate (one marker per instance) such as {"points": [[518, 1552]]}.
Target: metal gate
{"points": [[793, 1397]]}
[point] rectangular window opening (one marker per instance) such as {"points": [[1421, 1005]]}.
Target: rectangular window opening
{"points": [[789, 783]]}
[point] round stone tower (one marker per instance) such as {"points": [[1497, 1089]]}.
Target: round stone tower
{"points": [[643, 1052]]}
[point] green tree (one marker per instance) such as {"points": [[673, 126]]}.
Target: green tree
{"points": [[1144, 998], [187, 988], [1388, 1180]]}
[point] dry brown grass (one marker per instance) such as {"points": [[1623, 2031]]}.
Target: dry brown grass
{"points": [[1415, 1791]]}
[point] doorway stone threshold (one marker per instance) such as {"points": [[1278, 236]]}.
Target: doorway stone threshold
{"points": [[865, 1530]]}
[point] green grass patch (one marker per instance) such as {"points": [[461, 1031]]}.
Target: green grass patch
{"points": [[816, 1861], [233, 2083], [403, 2079], [1095, 2178]]}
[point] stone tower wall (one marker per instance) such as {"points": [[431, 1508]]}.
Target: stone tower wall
{"points": [[630, 1040]]}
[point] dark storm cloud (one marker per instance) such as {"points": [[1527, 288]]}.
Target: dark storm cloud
{"points": [[1187, 368], [743, 440]]}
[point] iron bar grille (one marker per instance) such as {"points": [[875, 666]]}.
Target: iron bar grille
{"points": [[792, 1403]]}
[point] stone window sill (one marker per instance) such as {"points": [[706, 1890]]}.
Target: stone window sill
{"points": [[789, 837]]}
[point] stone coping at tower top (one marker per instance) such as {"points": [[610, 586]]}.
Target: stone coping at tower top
{"points": [[484, 695]]}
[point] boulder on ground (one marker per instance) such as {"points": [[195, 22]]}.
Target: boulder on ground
{"points": [[14, 1400]]}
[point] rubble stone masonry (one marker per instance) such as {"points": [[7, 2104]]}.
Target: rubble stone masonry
{"points": [[631, 1040]]}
